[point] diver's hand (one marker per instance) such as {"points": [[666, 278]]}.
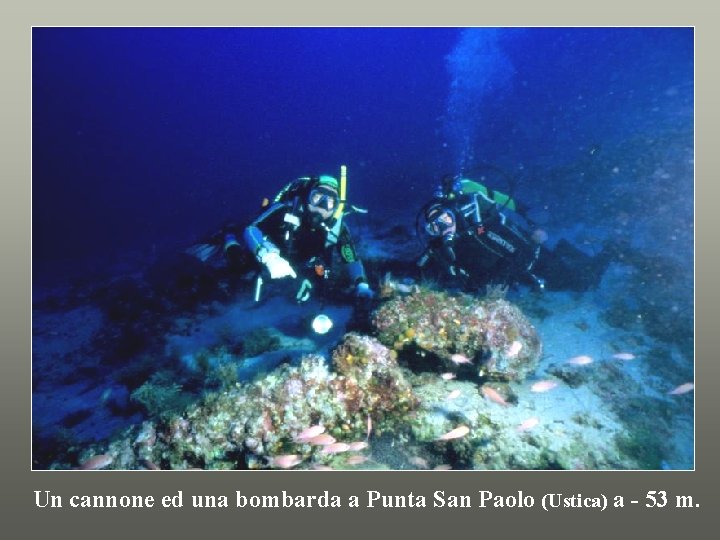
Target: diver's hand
{"points": [[363, 290], [456, 271], [277, 266]]}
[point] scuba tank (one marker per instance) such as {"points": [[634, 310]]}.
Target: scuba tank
{"points": [[478, 212]]}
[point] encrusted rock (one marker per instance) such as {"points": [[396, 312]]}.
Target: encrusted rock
{"points": [[491, 334]]}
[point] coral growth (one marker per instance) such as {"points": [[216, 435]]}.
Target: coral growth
{"points": [[249, 426], [492, 333], [160, 397]]}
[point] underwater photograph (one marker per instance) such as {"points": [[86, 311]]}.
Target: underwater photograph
{"points": [[363, 248]]}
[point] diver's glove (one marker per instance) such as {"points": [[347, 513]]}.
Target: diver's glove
{"points": [[363, 290], [276, 265]]}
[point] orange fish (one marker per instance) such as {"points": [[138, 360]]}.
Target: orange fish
{"points": [[287, 461], [624, 356], [443, 467], [356, 460], [96, 462], [454, 434], [493, 395], [460, 359], [357, 446], [528, 424], [322, 440], [454, 394], [308, 433], [582, 360], [369, 427], [335, 448], [448, 376], [682, 389], [543, 386]]}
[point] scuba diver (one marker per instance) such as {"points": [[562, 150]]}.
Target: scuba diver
{"points": [[296, 236], [474, 236]]}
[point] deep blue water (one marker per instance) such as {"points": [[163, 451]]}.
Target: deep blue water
{"points": [[147, 136], [147, 139]]}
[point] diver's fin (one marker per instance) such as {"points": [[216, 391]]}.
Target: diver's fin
{"points": [[203, 251]]}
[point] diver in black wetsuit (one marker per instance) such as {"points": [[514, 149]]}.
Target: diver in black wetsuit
{"points": [[296, 237], [473, 237]]}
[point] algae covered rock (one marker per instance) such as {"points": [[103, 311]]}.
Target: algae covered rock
{"points": [[514, 436], [491, 334], [249, 426]]}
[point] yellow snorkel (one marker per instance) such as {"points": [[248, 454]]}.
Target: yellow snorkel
{"points": [[343, 192], [334, 231]]}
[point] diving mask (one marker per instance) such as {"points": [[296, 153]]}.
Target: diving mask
{"points": [[440, 223], [322, 198], [322, 202]]}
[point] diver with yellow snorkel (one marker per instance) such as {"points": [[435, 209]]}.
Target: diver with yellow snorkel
{"points": [[297, 235]]}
